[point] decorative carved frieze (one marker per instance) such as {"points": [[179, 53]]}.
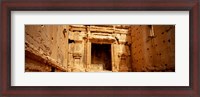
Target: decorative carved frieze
{"points": [[101, 39], [77, 55]]}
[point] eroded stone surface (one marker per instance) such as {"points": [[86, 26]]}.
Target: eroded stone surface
{"points": [[99, 48], [153, 51]]}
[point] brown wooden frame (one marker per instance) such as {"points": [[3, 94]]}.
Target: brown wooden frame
{"points": [[6, 90]]}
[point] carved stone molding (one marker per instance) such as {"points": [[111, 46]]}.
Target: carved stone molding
{"points": [[77, 55]]}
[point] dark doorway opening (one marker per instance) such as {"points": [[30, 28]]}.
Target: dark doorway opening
{"points": [[101, 55]]}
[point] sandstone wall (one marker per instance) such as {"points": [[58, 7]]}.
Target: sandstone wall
{"points": [[58, 48], [51, 41], [122, 55], [153, 52]]}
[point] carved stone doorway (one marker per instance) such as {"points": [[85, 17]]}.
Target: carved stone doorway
{"points": [[101, 56]]}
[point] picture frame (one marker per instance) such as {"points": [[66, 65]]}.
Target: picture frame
{"points": [[193, 90]]}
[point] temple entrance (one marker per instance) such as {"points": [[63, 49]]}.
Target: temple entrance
{"points": [[101, 56]]}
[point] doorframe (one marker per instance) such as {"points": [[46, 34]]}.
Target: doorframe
{"points": [[89, 49]]}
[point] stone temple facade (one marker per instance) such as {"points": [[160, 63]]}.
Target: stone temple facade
{"points": [[99, 48]]}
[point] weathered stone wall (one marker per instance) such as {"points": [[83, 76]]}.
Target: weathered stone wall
{"points": [[121, 51], [76, 49], [80, 48], [58, 48], [50, 40], [32, 65], [153, 48]]}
